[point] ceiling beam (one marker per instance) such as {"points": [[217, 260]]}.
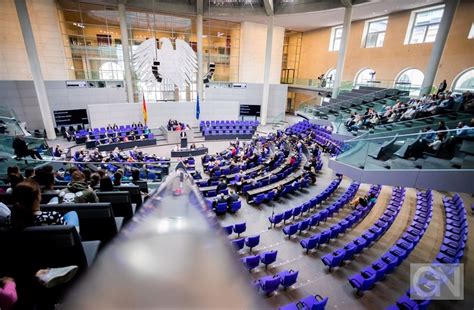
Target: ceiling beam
{"points": [[268, 4], [200, 7]]}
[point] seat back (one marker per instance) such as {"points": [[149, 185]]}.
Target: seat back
{"points": [[135, 194], [96, 220], [121, 203], [50, 246]]}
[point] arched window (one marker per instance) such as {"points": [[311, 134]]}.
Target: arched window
{"points": [[111, 71], [464, 81], [330, 76], [411, 80], [364, 77]]}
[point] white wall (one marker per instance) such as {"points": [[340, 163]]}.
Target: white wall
{"points": [[253, 39], [253, 95], [159, 113], [44, 19]]}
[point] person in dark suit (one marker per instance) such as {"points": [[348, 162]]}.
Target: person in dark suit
{"points": [[221, 186], [21, 149], [183, 134], [232, 197]]}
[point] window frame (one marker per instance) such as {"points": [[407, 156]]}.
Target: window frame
{"points": [[412, 24], [367, 32], [333, 38]]}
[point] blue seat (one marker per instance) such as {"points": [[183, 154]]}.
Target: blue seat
{"points": [[276, 219], [304, 225], [310, 243], [315, 220], [362, 282], [238, 243], [288, 278], [228, 229], [334, 259], [259, 199], [235, 206], [349, 251], [240, 228], [324, 238], [287, 215], [268, 257], [270, 196], [296, 211], [221, 208], [251, 262], [269, 284], [252, 242], [315, 302], [290, 230]]}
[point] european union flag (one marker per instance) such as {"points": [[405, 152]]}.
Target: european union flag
{"points": [[198, 109]]}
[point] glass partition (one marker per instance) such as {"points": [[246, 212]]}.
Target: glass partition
{"points": [[424, 149]]}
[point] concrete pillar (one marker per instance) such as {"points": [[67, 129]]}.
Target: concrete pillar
{"points": [[346, 28], [126, 52], [200, 74], [35, 67], [438, 45], [266, 72]]}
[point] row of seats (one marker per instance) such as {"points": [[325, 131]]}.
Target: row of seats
{"points": [[322, 215], [228, 122], [313, 302], [307, 206], [269, 284], [332, 232], [250, 242], [237, 228], [451, 252], [253, 261], [223, 207], [226, 170], [340, 255], [386, 264]]}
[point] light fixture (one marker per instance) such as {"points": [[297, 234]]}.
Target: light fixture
{"points": [[80, 25]]}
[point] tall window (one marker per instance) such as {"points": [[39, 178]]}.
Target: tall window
{"points": [[365, 77], [425, 25], [410, 80], [464, 81], [376, 33], [336, 35]]}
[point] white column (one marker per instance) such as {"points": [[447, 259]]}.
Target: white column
{"points": [[346, 28], [35, 67], [438, 45], [200, 74], [266, 72], [126, 52]]}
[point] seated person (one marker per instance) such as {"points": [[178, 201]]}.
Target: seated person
{"points": [[219, 199], [105, 184], [26, 211], [57, 151], [221, 186], [232, 197], [77, 191]]}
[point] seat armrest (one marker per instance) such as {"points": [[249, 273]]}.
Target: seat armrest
{"points": [[90, 249], [119, 223]]}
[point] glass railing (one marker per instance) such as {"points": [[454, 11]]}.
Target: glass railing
{"points": [[7, 151], [426, 149], [151, 171]]}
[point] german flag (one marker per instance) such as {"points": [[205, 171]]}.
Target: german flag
{"points": [[145, 113]]}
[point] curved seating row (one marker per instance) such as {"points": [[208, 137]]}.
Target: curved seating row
{"points": [[332, 232], [347, 252], [322, 215], [386, 264], [269, 284], [307, 206], [253, 261], [451, 252]]}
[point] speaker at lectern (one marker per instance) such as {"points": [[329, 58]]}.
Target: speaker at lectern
{"points": [[184, 139]]}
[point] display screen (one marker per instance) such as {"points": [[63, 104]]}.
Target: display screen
{"points": [[249, 110], [71, 117]]}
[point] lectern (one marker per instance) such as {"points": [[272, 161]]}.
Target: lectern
{"points": [[184, 139]]}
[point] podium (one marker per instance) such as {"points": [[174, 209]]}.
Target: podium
{"points": [[184, 142]]}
